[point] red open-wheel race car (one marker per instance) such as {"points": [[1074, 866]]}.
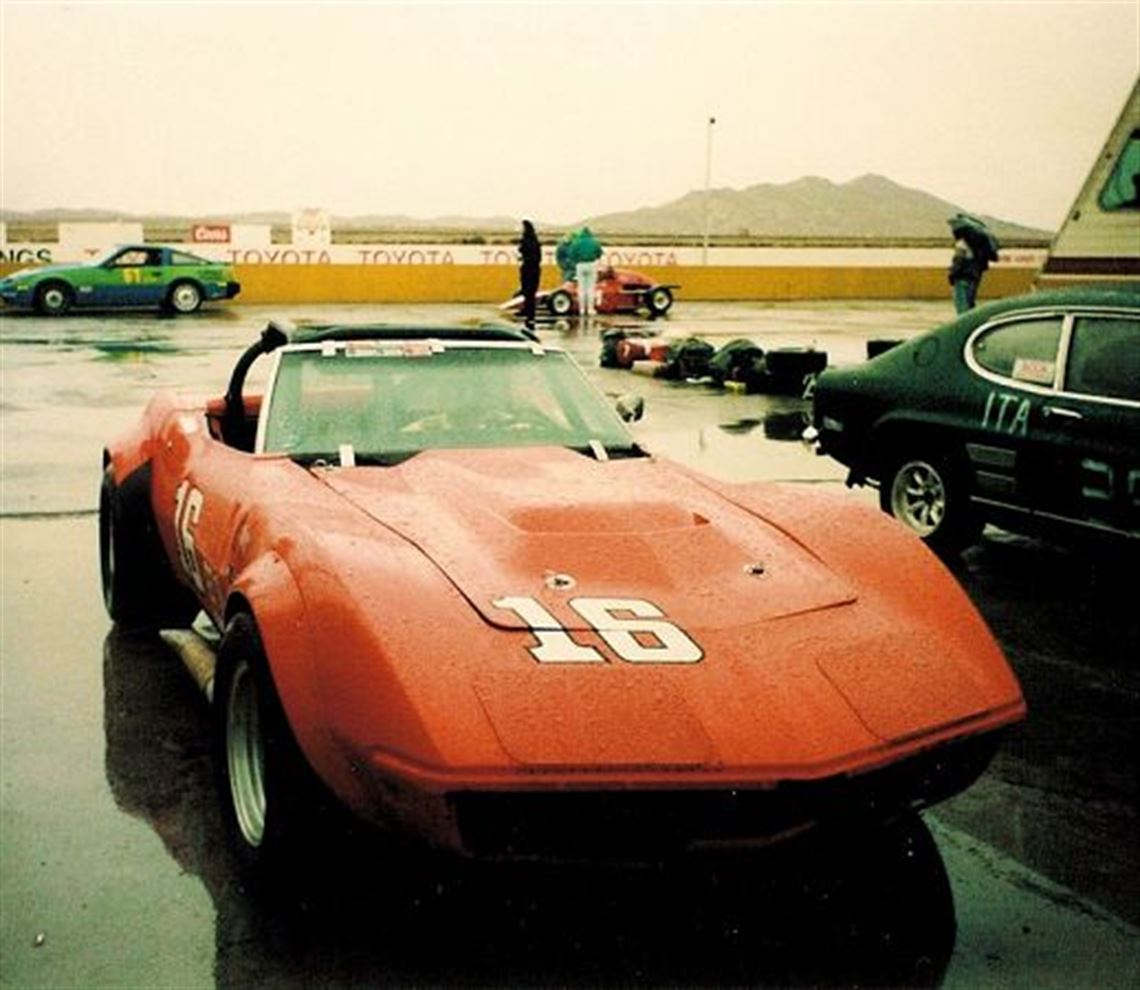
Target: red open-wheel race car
{"points": [[619, 290]]}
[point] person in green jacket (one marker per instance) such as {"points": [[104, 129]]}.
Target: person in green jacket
{"points": [[585, 251]]}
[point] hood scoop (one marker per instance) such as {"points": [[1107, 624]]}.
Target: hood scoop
{"points": [[603, 517], [501, 523]]}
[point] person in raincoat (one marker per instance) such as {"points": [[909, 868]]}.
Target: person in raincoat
{"points": [[974, 249], [586, 250], [530, 270]]}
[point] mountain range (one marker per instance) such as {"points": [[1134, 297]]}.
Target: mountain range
{"points": [[871, 207]]}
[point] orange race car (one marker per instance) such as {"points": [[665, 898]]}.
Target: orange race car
{"points": [[453, 593]]}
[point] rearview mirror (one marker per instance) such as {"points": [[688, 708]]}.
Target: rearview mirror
{"points": [[630, 407]]}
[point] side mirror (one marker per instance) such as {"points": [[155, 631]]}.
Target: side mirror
{"points": [[630, 408]]}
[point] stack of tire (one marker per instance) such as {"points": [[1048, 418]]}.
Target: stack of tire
{"points": [[791, 370], [740, 365], [739, 362]]}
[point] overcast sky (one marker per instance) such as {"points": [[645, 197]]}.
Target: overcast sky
{"points": [[549, 110]]}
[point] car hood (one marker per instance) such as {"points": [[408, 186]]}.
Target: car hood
{"points": [[549, 524], [800, 673], [39, 270]]}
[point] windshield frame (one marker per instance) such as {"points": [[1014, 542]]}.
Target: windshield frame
{"points": [[424, 349]]}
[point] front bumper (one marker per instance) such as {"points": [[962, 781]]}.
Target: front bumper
{"points": [[631, 823], [628, 824], [16, 295], [221, 290]]}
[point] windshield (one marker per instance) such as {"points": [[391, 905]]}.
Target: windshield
{"points": [[391, 401]]}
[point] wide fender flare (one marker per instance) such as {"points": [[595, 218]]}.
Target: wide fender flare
{"points": [[268, 590], [136, 446]]}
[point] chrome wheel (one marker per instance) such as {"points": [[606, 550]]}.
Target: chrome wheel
{"points": [[185, 297], [918, 497], [245, 754]]}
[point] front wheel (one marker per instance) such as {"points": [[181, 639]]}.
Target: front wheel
{"points": [[268, 793], [184, 297], [54, 298], [926, 494], [659, 300], [560, 302]]}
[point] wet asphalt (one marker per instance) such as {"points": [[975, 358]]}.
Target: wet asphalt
{"points": [[113, 868]]}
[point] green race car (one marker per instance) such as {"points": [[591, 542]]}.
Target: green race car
{"points": [[133, 275]]}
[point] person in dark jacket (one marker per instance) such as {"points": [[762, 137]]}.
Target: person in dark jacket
{"points": [[530, 270], [965, 272], [974, 249]]}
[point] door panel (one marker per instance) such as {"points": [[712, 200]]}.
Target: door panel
{"points": [[1101, 408]]}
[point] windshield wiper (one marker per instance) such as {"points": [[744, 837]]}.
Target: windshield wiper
{"points": [[359, 460], [602, 452]]}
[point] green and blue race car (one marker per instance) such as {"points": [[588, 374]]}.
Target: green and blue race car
{"points": [[133, 275]]}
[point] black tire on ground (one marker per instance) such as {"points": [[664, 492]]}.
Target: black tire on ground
{"points": [[54, 298], [928, 493], [138, 588], [184, 297], [560, 302], [271, 800], [659, 300]]}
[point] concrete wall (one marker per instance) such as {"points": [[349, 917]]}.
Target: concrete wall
{"points": [[493, 283], [321, 271]]}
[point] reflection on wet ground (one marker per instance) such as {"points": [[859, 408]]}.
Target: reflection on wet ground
{"points": [[1063, 793], [366, 913]]}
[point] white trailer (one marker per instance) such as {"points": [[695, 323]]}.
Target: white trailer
{"points": [[1099, 241]]}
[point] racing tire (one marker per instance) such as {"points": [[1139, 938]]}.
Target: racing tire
{"points": [[560, 303], [270, 798], [54, 298], [184, 298], [928, 494], [659, 301], [138, 589]]}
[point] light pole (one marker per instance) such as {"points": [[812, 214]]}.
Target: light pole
{"points": [[708, 181]]}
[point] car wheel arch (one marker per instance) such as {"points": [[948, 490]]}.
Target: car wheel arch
{"points": [[891, 435]]}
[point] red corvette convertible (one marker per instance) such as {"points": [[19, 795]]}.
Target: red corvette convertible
{"points": [[455, 595], [618, 291]]}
